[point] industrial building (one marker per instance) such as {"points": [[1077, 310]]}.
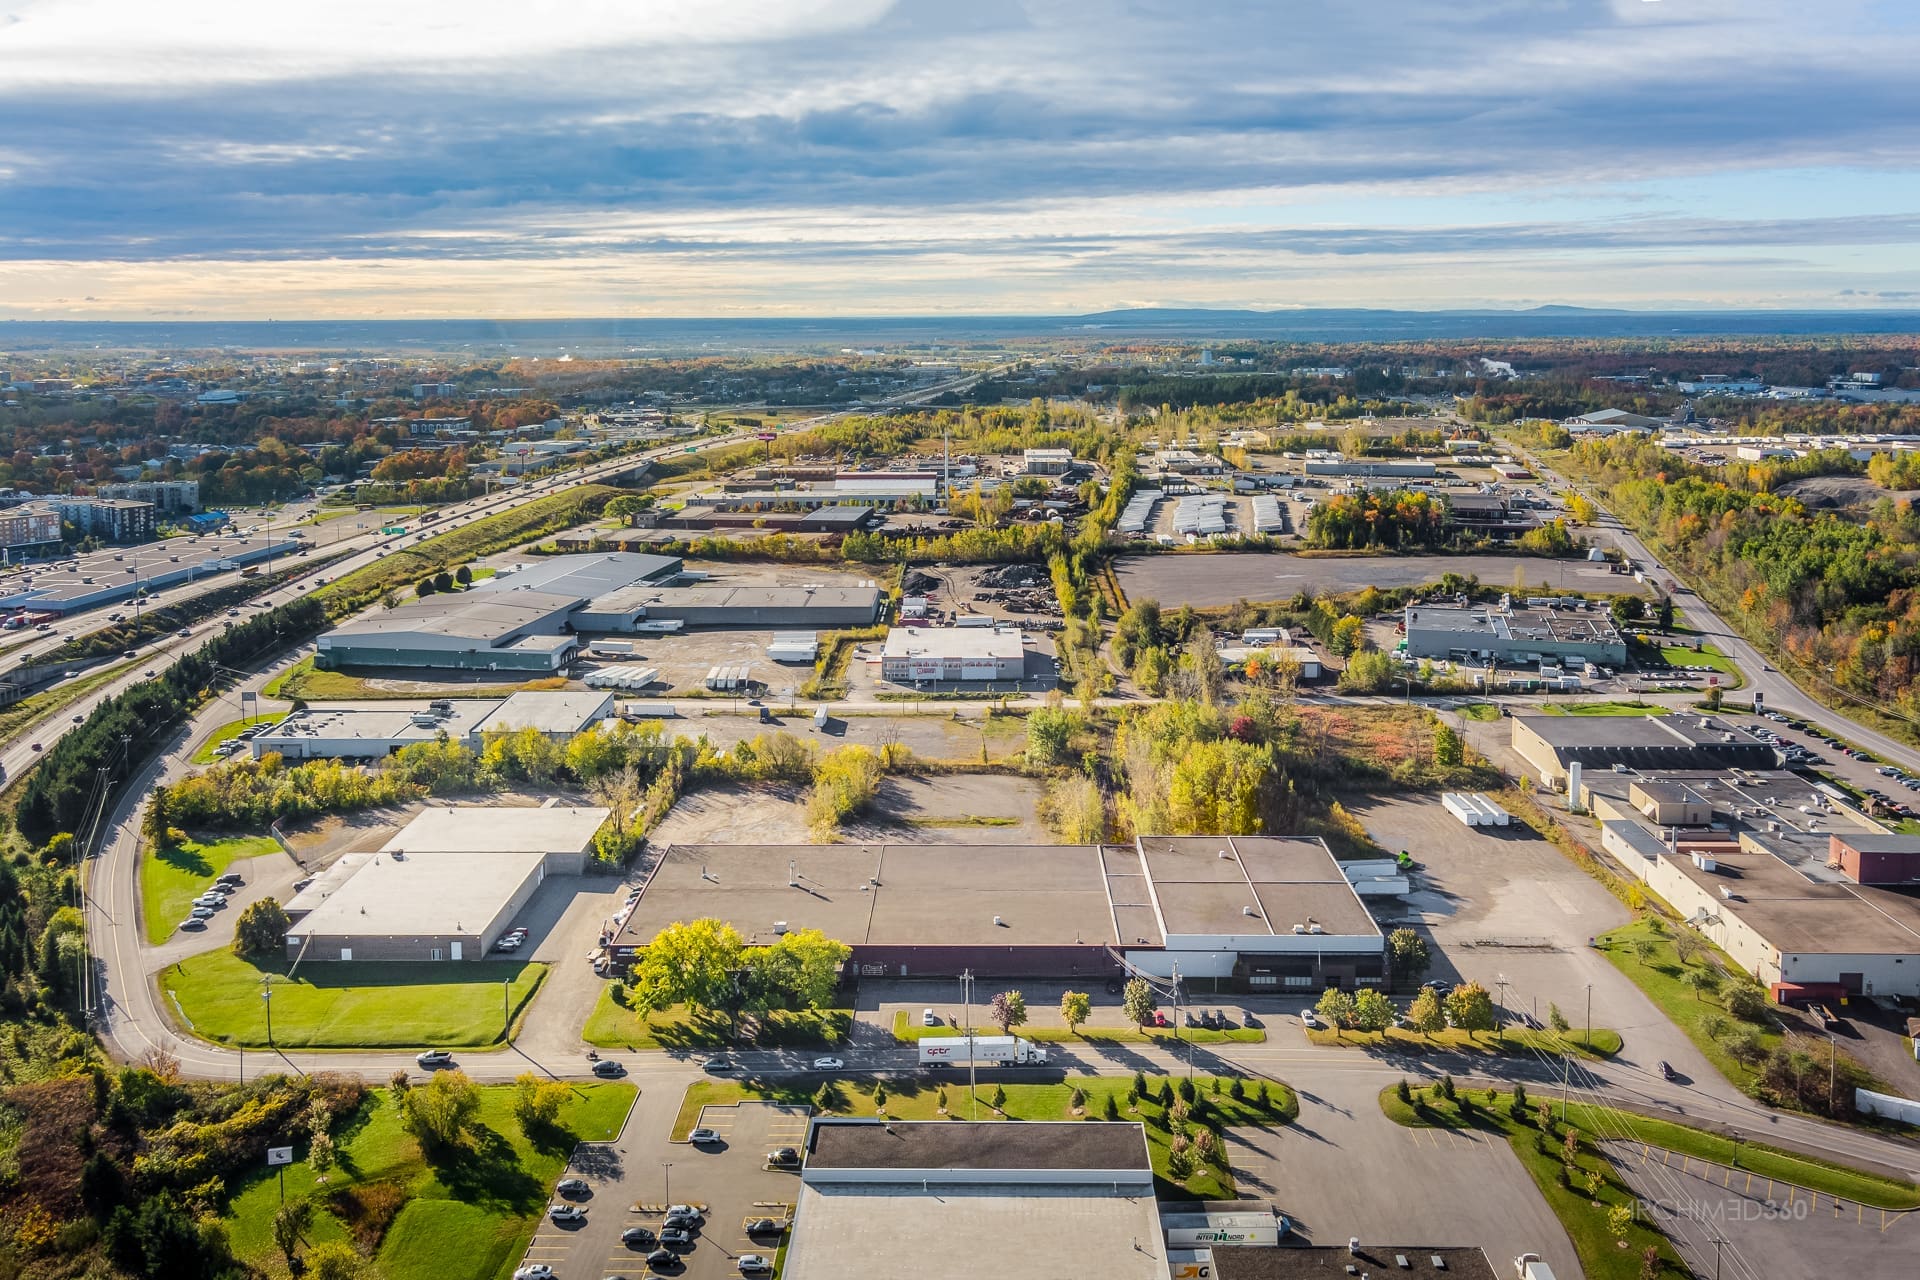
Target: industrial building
{"points": [[106, 577], [878, 1198], [369, 730], [1259, 913], [913, 654], [1554, 744], [821, 606], [582, 576], [827, 519], [1489, 515], [1047, 462], [445, 888], [1481, 633], [1356, 467], [507, 630]]}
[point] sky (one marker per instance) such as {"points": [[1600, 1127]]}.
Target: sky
{"points": [[235, 159]]}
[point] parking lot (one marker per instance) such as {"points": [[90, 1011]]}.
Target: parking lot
{"points": [[728, 1181]]}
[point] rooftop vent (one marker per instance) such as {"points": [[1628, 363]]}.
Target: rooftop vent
{"points": [[1248, 911], [779, 926], [1400, 1260], [1224, 853], [998, 922], [1299, 928], [1314, 928]]}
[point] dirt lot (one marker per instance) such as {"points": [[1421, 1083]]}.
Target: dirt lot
{"points": [[934, 736], [962, 809], [1844, 491], [1211, 580]]}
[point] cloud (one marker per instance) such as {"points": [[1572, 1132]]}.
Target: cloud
{"points": [[759, 133]]}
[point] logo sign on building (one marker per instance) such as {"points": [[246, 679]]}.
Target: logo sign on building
{"points": [[279, 1155]]}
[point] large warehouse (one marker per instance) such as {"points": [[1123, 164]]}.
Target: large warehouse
{"points": [[1238, 912], [1514, 636], [913, 654], [1553, 743], [369, 730], [817, 605], [445, 888], [470, 631]]}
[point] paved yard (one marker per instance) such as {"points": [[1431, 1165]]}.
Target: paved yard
{"points": [[1768, 1228], [1345, 1170], [732, 1180]]}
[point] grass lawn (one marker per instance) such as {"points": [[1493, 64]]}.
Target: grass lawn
{"points": [[614, 1026], [304, 682], [350, 1004], [1601, 709], [1659, 977], [1518, 1041], [907, 1030], [465, 1217], [1582, 1211], [920, 1100], [57, 697], [171, 878], [1479, 711], [227, 733]]}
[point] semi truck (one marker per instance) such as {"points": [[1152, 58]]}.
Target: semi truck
{"points": [[980, 1051]]}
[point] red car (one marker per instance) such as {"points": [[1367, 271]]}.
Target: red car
{"points": [[1160, 1019]]}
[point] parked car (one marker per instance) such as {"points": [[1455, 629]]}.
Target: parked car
{"points": [[573, 1187], [534, 1271], [928, 1018], [609, 1069], [1666, 1071], [751, 1264], [566, 1213], [763, 1227], [1160, 1019], [1437, 986], [828, 1064], [434, 1058], [201, 913], [704, 1136], [211, 900], [684, 1211], [677, 1238], [1309, 1020], [783, 1157], [637, 1238], [717, 1066], [657, 1259], [193, 924]]}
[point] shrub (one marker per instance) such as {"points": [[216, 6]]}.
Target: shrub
{"points": [[1447, 1089], [1186, 1091], [1237, 1090], [1079, 1098], [1110, 1110], [1403, 1091]]}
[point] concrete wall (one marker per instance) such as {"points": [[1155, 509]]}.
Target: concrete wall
{"points": [[1723, 928], [1885, 1104]]}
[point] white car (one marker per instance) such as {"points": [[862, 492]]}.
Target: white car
{"points": [[1309, 1020], [534, 1271], [752, 1264], [704, 1136], [828, 1064], [566, 1213]]}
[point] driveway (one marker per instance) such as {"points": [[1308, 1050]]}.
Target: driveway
{"points": [[1345, 1170]]}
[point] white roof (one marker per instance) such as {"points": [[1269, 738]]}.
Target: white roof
{"points": [[952, 642], [556, 712], [450, 893], [500, 829]]}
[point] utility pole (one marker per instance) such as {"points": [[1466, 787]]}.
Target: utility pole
{"points": [[506, 1011], [666, 1167], [1833, 1053], [1589, 1017], [966, 1027], [1500, 1015], [266, 996], [1719, 1242]]}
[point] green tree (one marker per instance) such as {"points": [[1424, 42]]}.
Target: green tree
{"points": [[1049, 730], [1470, 1008], [441, 1112], [1372, 1011], [463, 575], [158, 819], [1348, 635], [690, 963], [1075, 1008], [1409, 953], [1138, 1002], [1702, 981], [290, 1226], [801, 969], [1425, 1013], [1447, 749], [426, 588], [1558, 1020], [999, 1099], [334, 1260], [1109, 1109], [537, 1101], [1336, 1006], [261, 931], [443, 581], [1008, 1009], [321, 1153]]}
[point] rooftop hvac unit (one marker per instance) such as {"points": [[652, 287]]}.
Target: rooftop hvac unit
{"points": [[998, 922], [1314, 928], [1299, 928], [1224, 853], [780, 926], [1248, 911]]}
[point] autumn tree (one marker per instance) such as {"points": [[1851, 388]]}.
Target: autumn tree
{"points": [[1138, 1002], [1075, 1008], [1008, 1009], [261, 931], [689, 963]]}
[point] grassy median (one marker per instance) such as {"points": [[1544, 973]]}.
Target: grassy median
{"points": [[1520, 1041], [613, 1025], [907, 1030], [338, 1004]]}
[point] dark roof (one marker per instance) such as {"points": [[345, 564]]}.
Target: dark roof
{"points": [[1876, 842], [1063, 1144], [1381, 1261]]}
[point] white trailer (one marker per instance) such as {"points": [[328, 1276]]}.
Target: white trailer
{"points": [[611, 648], [1462, 808], [1528, 1266], [1495, 815], [980, 1051]]}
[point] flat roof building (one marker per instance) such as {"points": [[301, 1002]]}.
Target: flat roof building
{"points": [[1338, 1262], [520, 630], [444, 888], [819, 606], [582, 576], [912, 654], [1245, 912], [1480, 632], [878, 1199], [366, 731], [1655, 743], [556, 713]]}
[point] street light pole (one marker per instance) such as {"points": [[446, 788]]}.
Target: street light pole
{"points": [[666, 1167], [506, 1011], [266, 995]]}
